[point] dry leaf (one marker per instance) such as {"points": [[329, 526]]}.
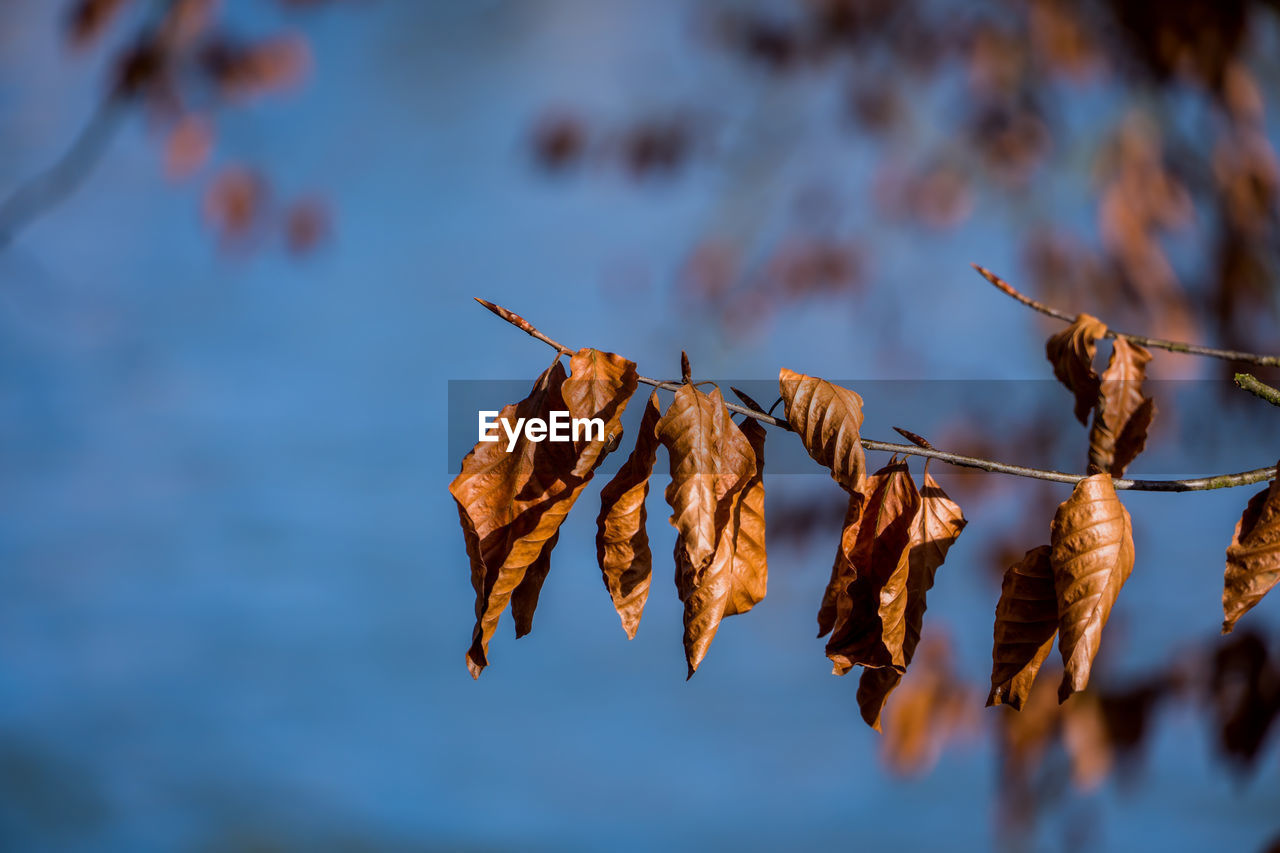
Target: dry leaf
{"points": [[750, 562], [1026, 620], [1092, 538], [188, 147], [711, 463], [1253, 558], [842, 570], [622, 541], [511, 504], [1071, 352], [1123, 415], [828, 419], [871, 611], [938, 524]]}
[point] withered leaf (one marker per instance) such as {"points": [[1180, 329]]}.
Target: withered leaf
{"points": [[511, 504], [1071, 352], [750, 562], [711, 463], [938, 524], [622, 542], [842, 570], [1244, 696], [1092, 541], [828, 420], [1253, 558], [870, 620], [932, 708], [1026, 620], [1123, 414]]}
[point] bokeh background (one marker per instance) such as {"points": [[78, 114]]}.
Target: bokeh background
{"points": [[234, 599]]}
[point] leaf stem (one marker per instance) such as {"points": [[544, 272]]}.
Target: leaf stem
{"points": [[1258, 388], [1221, 481], [1158, 343]]}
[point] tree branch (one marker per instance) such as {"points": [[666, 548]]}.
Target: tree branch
{"points": [[1158, 343], [42, 192], [1258, 388], [1222, 481]]}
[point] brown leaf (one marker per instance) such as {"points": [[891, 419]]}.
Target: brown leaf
{"points": [[711, 463], [750, 562], [842, 570], [1071, 352], [599, 386], [511, 504], [188, 147], [1026, 620], [622, 541], [871, 611], [1253, 558], [1123, 415], [938, 524], [1092, 556], [1244, 696], [828, 419]]}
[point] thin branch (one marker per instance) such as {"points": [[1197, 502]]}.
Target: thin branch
{"points": [[1222, 481], [1258, 388], [1158, 343], [44, 191]]}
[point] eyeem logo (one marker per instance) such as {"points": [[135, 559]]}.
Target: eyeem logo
{"points": [[560, 427]]}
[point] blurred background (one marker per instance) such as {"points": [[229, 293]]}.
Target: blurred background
{"points": [[240, 245]]}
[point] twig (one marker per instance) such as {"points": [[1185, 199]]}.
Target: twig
{"points": [[25, 204], [1258, 388], [1172, 346], [1222, 481]]}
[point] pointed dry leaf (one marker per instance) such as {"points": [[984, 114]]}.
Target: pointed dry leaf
{"points": [[511, 504], [938, 524], [750, 562], [842, 570], [828, 420], [622, 541], [871, 611], [1092, 556], [1253, 558], [711, 463], [1123, 415], [1026, 620], [1071, 352]]}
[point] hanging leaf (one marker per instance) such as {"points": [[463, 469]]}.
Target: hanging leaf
{"points": [[750, 563], [622, 541], [938, 524], [932, 709], [828, 420], [600, 386], [1026, 620], [1092, 557], [870, 621], [511, 504], [711, 463], [843, 572], [1243, 696], [1071, 352], [1253, 558], [1123, 415]]}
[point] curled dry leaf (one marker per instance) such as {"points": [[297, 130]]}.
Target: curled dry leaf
{"points": [[712, 462], [1253, 558], [937, 525], [842, 570], [1026, 620], [1092, 556], [622, 542], [871, 607], [1071, 352], [511, 504], [1123, 414], [750, 562], [828, 420]]}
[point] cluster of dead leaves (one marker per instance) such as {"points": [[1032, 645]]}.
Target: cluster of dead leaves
{"points": [[894, 537]]}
